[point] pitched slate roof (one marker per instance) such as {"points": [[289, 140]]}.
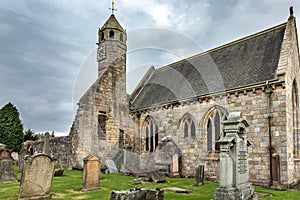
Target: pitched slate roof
{"points": [[247, 61]]}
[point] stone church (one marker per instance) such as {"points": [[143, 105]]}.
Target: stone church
{"points": [[179, 108]]}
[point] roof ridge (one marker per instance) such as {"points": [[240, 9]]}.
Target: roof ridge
{"points": [[223, 46]]}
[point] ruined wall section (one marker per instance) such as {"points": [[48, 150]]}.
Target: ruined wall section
{"points": [[60, 148], [107, 95]]}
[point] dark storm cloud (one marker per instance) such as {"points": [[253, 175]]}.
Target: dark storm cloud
{"points": [[45, 43]]}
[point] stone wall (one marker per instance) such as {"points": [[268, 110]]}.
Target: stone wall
{"points": [[106, 96], [252, 102], [60, 148], [289, 72]]}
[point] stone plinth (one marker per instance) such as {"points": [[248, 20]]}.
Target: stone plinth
{"points": [[234, 170], [36, 177], [137, 194], [91, 173]]}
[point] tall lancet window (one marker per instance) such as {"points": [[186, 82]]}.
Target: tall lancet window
{"points": [[213, 127], [151, 135], [189, 128], [102, 125], [296, 134]]}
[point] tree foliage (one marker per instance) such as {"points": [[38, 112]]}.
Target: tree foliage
{"points": [[30, 135], [11, 128]]}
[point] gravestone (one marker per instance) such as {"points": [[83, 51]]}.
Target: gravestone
{"points": [[234, 170], [199, 175], [47, 150], [174, 168], [22, 154], [36, 177], [156, 177], [137, 194], [91, 173], [7, 173], [111, 166]]}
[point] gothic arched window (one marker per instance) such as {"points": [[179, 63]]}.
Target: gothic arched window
{"points": [[214, 127], [296, 135], [189, 128], [151, 135]]}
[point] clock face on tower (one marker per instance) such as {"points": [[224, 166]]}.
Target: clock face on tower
{"points": [[101, 52]]}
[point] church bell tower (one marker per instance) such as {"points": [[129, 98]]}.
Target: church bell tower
{"points": [[111, 43]]}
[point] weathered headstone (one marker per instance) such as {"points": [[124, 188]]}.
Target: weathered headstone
{"points": [[36, 177], [112, 168], [22, 154], [174, 168], [234, 170], [199, 175], [7, 174], [47, 150], [137, 194], [91, 173]]}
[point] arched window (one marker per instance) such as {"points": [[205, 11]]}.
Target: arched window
{"points": [[111, 34], [151, 135], [296, 135], [189, 128], [121, 37], [214, 127], [102, 36]]}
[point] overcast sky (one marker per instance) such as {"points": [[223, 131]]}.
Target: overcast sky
{"points": [[47, 51]]}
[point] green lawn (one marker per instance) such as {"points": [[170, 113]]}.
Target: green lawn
{"points": [[69, 185]]}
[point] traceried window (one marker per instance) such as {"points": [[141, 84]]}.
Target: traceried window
{"points": [[296, 134], [189, 128], [214, 127], [151, 135]]}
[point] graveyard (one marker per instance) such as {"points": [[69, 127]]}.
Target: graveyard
{"points": [[69, 186]]}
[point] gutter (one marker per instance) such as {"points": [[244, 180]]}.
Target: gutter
{"points": [[268, 92]]}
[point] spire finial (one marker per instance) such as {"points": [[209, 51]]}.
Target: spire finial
{"points": [[291, 11], [113, 9]]}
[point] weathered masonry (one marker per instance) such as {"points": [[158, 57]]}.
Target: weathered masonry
{"points": [[179, 108]]}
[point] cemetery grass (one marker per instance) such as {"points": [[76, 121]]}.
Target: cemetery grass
{"points": [[69, 186]]}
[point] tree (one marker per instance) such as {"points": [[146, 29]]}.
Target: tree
{"points": [[30, 135], [11, 128]]}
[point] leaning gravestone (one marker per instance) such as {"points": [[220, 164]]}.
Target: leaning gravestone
{"points": [[112, 168], [7, 173], [234, 170], [91, 173], [36, 177]]}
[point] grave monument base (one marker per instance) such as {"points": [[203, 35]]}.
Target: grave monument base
{"points": [[241, 192], [45, 197]]}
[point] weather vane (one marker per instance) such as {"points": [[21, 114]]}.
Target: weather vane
{"points": [[113, 9]]}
